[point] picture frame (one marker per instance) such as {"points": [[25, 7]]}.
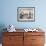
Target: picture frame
{"points": [[26, 14]]}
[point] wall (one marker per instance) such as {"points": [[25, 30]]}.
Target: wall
{"points": [[9, 13]]}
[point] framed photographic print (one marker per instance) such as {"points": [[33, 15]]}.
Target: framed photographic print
{"points": [[25, 14]]}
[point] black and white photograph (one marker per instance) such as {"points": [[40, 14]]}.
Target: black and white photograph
{"points": [[26, 14]]}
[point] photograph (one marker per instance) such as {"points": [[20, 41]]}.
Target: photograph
{"points": [[26, 14]]}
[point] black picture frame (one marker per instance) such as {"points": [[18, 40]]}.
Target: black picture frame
{"points": [[26, 14]]}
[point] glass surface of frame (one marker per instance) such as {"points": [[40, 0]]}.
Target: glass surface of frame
{"points": [[25, 14]]}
